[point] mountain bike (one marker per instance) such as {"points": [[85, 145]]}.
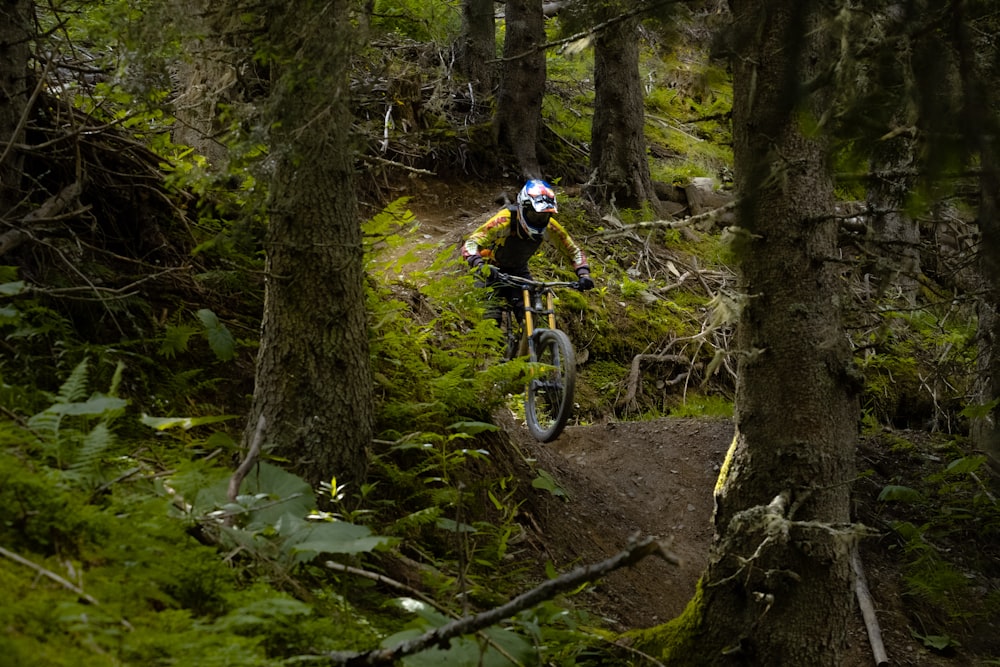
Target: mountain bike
{"points": [[552, 377]]}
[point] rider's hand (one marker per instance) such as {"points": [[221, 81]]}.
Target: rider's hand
{"points": [[484, 270], [585, 281]]}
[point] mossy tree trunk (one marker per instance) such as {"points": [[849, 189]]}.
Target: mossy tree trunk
{"points": [[313, 383], [518, 118], [618, 141], [777, 590], [15, 90]]}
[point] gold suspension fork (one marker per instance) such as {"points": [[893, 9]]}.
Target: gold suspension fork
{"points": [[550, 304], [529, 324]]}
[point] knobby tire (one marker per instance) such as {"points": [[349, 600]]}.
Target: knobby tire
{"points": [[549, 396]]}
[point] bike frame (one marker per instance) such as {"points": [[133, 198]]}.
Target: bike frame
{"points": [[549, 387], [538, 299]]}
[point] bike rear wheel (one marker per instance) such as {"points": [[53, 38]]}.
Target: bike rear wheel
{"points": [[549, 396]]}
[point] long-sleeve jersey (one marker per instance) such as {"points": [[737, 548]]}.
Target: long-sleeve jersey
{"points": [[499, 242]]}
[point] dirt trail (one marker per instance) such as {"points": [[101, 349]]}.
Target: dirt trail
{"points": [[622, 478], [627, 478], [646, 478]]}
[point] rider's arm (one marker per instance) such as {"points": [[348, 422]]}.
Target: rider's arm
{"points": [[560, 238], [485, 237]]}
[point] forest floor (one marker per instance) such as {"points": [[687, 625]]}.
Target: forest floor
{"points": [[656, 478]]}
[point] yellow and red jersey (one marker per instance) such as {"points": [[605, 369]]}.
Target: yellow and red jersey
{"points": [[500, 242]]}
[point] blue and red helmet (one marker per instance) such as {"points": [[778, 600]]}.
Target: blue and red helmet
{"points": [[536, 203]]}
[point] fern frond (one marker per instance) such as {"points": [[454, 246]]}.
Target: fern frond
{"points": [[75, 387], [86, 464], [45, 425]]}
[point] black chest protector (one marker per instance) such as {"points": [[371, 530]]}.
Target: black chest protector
{"points": [[513, 252]]}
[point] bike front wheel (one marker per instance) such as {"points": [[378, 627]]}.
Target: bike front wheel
{"points": [[549, 398]]}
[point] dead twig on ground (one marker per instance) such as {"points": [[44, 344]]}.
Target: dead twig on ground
{"points": [[709, 216], [868, 610]]}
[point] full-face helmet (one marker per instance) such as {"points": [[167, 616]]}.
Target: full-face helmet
{"points": [[536, 202]]}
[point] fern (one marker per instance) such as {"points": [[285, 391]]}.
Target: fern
{"points": [[87, 465], [75, 386], [65, 445]]}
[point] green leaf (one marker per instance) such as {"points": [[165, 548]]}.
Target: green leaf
{"points": [[12, 288], [900, 493], [979, 410], [334, 537], [454, 526], [966, 464], [473, 428], [98, 405], [164, 423], [547, 482], [219, 338], [936, 642]]}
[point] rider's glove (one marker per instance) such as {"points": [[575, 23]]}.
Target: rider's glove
{"points": [[482, 269], [585, 281]]}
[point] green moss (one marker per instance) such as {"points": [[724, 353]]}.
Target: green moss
{"points": [[675, 641], [704, 406]]}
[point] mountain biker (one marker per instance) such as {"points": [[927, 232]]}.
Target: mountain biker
{"points": [[506, 242]]}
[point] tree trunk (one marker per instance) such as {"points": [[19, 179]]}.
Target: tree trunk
{"points": [[618, 141], [891, 165], [986, 430], [206, 82], [895, 232], [980, 74], [15, 31], [477, 50], [777, 590], [314, 385], [522, 86]]}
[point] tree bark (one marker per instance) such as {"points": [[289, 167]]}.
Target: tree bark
{"points": [[15, 90], [206, 81], [618, 140], [980, 75], [895, 232], [522, 86], [477, 51], [778, 590], [314, 386]]}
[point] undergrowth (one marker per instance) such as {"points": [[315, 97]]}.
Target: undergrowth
{"points": [[122, 545]]}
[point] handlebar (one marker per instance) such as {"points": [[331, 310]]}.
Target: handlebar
{"points": [[518, 281]]}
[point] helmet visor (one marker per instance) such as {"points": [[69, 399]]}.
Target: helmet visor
{"points": [[543, 204]]}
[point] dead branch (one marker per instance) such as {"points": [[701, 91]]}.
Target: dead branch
{"points": [[868, 610], [634, 376], [52, 207], [708, 216], [49, 574], [636, 551], [244, 468], [388, 581]]}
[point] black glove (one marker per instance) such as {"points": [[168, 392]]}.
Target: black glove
{"points": [[482, 269], [585, 281]]}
